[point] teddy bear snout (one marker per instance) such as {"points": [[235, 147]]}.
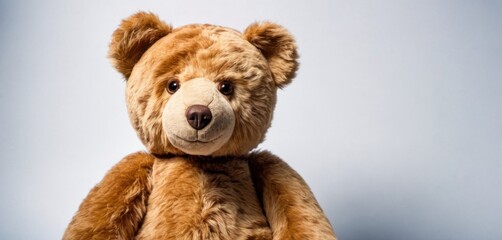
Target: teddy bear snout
{"points": [[198, 116]]}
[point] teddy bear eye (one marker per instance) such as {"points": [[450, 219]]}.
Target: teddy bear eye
{"points": [[226, 88], [172, 86]]}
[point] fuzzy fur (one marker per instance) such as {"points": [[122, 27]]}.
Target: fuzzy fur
{"points": [[115, 208], [229, 193]]}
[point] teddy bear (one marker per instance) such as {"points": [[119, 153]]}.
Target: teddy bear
{"points": [[201, 98]]}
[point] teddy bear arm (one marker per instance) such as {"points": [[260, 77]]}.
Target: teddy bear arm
{"points": [[114, 209], [289, 205]]}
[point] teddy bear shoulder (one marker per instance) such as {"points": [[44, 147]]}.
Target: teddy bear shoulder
{"points": [[287, 198], [115, 206], [269, 167]]}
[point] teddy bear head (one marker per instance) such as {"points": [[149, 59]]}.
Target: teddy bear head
{"points": [[201, 89]]}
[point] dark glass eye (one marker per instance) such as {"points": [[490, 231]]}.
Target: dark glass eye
{"points": [[173, 85], [226, 88]]}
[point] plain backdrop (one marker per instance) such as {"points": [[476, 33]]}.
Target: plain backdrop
{"points": [[394, 119]]}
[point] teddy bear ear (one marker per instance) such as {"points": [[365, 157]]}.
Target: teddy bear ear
{"points": [[279, 48], [133, 37]]}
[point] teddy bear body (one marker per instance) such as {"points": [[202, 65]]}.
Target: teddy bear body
{"points": [[204, 200], [201, 97]]}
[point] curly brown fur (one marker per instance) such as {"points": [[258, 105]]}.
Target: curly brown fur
{"points": [[133, 37], [278, 47], [209, 51], [194, 198], [115, 208], [290, 206], [226, 192], [185, 197]]}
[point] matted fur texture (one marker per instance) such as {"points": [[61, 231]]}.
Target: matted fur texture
{"points": [[229, 193], [212, 52]]}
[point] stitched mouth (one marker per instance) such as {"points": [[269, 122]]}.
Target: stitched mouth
{"points": [[196, 141]]}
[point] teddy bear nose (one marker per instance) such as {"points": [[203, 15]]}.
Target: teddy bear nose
{"points": [[198, 116]]}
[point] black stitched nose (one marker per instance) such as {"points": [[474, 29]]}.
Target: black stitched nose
{"points": [[198, 116]]}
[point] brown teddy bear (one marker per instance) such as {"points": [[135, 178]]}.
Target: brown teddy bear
{"points": [[201, 97]]}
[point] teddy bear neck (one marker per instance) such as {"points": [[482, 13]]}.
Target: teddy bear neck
{"points": [[167, 156]]}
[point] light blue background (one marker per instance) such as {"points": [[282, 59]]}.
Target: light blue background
{"points": [[394, 119]]}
